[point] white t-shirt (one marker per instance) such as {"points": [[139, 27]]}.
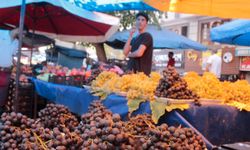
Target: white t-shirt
{"points": [[8, 48], [215, 62]]}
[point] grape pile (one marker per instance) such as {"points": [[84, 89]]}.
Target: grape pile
{"points": [[54, 115], [25, 98], [172, 86], [149, 136], [16, 130], [64, 139], [100, 129], [136, 86], [208, 86], [21, 132]]}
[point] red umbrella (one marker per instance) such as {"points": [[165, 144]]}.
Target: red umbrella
{"points": [[62, 20]]}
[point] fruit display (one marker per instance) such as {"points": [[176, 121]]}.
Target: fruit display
{"points": [[16, 130], [173, 86], [55, 115], [25, 69], [149, 136], [58, 70], [136, 86], [99, 129], [92, 75], [209, 87], [21, 132], [25, 97], [63, 139]]}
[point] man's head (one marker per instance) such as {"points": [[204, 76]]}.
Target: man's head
{"points": [[141, 21], [214, 51], [170, 54], [214, 48]]}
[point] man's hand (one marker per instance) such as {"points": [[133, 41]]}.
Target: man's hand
{"points": [[132, 31], [127, 47]]}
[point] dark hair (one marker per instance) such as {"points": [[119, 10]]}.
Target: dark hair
{"points": [[170, 54], [143, 15]]}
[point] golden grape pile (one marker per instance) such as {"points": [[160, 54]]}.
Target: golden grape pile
{"points": [[208, 86], [134, 85]]}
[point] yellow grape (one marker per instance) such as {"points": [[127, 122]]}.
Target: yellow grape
{"points": [[208, 86], [135, 85], [102, 78]]}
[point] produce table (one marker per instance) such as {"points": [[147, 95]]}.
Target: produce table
{"points": [[218, 123]]}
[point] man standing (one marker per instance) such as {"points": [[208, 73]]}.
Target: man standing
{"points": [[171, 61], [8, 48], [140, 48], [214, 64]]}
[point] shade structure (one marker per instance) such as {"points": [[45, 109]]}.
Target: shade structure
{"points": [[219, 8], [36, 40], [236, 32], [60, 19], [162, 38], [111, 5]]}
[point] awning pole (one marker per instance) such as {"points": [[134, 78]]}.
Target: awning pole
{"points": [[21, 24]]}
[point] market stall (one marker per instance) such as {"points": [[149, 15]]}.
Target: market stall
{"points": [[235, 33], [218, 123]]}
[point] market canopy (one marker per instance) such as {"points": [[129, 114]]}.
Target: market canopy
{"points": [[71, 52], [60, 19], [36, 40], [219, 8], [236, 32], [162, 38], [111, 5]]}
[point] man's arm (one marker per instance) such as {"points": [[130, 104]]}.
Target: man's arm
{"points": [[139, 52], [208, 66], [127, 47], [209, 63]]}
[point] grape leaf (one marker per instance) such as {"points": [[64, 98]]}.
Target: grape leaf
{"points": [[239, 105], [134, 104], [171, 107], [158, 109]]}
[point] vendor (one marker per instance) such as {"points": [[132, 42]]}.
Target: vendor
{"points": [[171, 61], [39, 68], [214, 63], [139, 49]]}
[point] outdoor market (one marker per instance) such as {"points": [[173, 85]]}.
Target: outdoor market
{"points": [[124, 75]]}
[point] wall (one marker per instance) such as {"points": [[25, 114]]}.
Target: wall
{"points": [[199, 30]]}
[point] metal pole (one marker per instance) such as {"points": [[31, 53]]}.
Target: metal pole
{"points": [[32, 44], [33, 34], [21, 24]]}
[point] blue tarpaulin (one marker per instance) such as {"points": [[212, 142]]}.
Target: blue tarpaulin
{"points": [[111, 5], [72, 52], [218, 123], [162, 38], [236, 32]]}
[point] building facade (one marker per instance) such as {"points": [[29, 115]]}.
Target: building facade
{"points": [[197, 28]]}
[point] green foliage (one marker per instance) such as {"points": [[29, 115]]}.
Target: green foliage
{"points": [[134, 104], [128, 17]]}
